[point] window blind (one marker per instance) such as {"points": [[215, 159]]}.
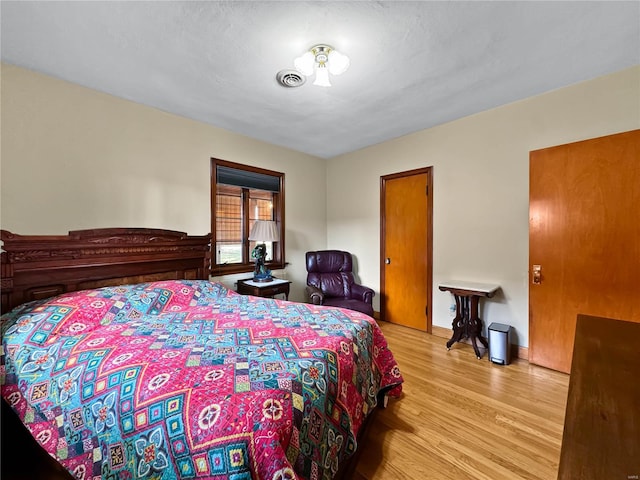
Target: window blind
{"points": [[247, 179]]}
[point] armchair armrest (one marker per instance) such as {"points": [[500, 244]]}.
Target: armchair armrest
{"points": [[314, 295], [360, 292]]}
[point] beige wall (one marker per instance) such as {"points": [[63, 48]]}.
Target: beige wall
{"points": [[73, 158], [480, 194]]}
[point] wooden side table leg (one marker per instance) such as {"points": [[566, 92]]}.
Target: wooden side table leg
{"points": [[458, 323], [483, 340], [475, 327], [465, 316]]}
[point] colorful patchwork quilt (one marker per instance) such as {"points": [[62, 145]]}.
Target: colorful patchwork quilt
{"points": [[187, 379]]}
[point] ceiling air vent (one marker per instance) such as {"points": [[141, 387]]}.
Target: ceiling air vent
{"points": [[290, 78]]}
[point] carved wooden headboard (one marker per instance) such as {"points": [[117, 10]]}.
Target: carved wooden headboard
{"points": [[41, 266]]}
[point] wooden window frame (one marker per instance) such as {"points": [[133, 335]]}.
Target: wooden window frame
{"points": [[278, 262]]}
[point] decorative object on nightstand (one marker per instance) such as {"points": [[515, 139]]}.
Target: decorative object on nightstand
{"points": [[262, 231]]}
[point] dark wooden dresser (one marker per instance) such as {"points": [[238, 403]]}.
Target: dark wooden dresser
{"points": [[601, 437]]}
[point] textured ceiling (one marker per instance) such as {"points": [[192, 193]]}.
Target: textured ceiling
{"points": [[413, 64]]}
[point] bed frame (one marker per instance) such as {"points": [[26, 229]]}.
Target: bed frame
{"points": [[35, 267]]}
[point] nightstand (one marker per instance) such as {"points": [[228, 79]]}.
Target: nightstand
{"points": [[264, 289]]}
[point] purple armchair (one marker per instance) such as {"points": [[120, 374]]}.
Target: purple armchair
{"points": [[330, 282]]}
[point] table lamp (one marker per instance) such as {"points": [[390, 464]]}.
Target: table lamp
{"points": [[262, 231]]}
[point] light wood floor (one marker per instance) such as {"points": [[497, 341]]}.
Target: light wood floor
{"points": [[464, 418]]}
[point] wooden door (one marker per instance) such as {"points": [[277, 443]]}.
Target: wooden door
{"points": [[584, 232], [406, 251]]}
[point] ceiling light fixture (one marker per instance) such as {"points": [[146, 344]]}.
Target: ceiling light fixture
{"points": [[322, 59]]}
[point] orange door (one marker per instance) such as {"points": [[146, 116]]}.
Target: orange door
{"points": [[406, 268], [584, 233]]}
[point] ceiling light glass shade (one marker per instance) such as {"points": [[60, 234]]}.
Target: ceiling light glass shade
{"points": [[322, 59], [305, 63], [338, 63], [322, 76]]}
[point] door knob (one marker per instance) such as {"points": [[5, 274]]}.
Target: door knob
{"points": [[387, 260], [537, 275]]}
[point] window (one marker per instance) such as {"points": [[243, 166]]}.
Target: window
{"points": [[240, 195]]}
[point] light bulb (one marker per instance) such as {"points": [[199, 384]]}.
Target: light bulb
{"points": [[322, 76]]}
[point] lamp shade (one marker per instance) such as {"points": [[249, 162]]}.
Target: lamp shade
{"points": [[264, 231]]}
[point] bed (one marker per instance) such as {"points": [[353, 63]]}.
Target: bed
{"points": [[123, 360]]}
